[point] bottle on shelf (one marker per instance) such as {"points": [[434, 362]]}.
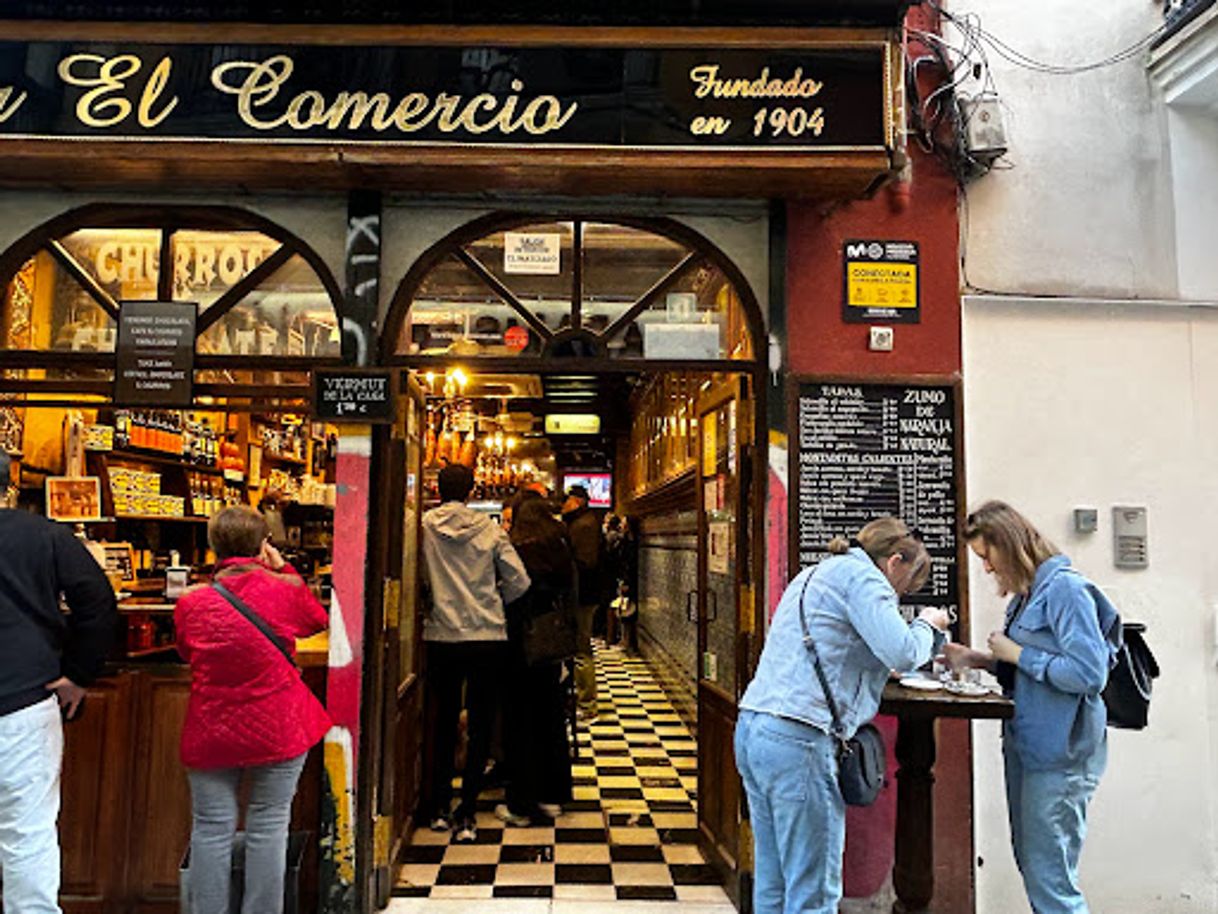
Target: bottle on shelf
{"points": [[122, 429]]}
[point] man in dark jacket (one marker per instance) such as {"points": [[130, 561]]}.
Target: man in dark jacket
{"points": [[47, 658], [588, 545]]}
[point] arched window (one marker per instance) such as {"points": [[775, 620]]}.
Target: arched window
{"points": [[600, 288], [267, 304]]}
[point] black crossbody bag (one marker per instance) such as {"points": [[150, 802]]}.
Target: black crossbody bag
{"points": [[861, 759], [256, 620]]}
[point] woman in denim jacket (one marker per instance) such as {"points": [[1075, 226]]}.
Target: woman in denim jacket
{"points": [[1060, 640], [784, 750]]}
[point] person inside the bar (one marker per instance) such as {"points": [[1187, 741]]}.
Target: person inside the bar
{"points": [[472, 570], [588, 542], [250, 716], [1059, 641], [535, 723], [785, 750]]}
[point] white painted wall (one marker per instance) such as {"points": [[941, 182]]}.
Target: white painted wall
{"points": [[1069, 404], [1092, 379], [1087, 207]]}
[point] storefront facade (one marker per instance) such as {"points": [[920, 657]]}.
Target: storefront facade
{"points": [[372, 154]]}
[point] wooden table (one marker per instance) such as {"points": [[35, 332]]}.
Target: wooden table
{"points": [[913, 873]]}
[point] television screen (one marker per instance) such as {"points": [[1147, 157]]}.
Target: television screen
{"points": [[599, 486]]}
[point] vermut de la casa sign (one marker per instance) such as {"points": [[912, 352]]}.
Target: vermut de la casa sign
{"points": [[801, 99]]}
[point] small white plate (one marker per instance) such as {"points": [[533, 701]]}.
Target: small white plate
{"points": [[968, 688], [918, 682]]}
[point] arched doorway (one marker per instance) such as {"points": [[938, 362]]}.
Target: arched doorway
{"points": [[646, 326]]}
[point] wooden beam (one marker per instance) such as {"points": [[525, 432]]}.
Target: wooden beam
{"points": [[86, 281], [492, 281], [251, 281], [663, 284]]}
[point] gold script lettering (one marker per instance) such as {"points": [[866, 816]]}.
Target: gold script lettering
{"points": [[9, 106], [256, 84], [705, 126], [261, 85], [111, 74], [152, 91], [708, 83]]}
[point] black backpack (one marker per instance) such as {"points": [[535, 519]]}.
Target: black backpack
{"points": [[1127, 695]]}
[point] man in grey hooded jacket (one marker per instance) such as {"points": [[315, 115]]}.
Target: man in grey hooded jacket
{"points": [[472, 572]]}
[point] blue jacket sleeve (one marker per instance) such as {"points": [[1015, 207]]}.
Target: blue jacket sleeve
{"points": [[1080, 665], [873, 610]]}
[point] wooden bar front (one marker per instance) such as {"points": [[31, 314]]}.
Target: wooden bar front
{"points": [[125, 818]]}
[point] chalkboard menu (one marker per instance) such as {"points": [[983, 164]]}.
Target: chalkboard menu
{"points": [[865, 450], [354, 395]]}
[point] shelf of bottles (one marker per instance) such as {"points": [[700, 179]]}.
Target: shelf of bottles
{"points": [[456, 435], [177, 436]]}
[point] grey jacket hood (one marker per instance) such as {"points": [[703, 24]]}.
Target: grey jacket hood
{"points": [[473, 570]]}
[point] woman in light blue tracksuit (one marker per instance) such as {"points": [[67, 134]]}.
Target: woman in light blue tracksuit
{"points": [[784, 750], [1060, 639]]}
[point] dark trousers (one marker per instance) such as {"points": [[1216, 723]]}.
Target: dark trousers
{"points": [[535, 736], [478, 666]]}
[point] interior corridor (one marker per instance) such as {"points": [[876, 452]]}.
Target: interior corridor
{"points": [[630, 836]]}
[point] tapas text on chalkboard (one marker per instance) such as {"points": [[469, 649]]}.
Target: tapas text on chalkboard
{"points": [[155, 354], [354, 395], [867, 450]]}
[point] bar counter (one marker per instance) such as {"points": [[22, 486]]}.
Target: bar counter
{"points": [[125, 821]]}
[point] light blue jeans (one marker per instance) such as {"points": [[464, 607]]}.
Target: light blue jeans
{"points": [[213, 803], [796, 811], [1048, 816], [31, 754]]}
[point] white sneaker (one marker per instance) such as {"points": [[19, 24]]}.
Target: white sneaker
{"points": [[550, 810], [505, 815], [441, 823], [466, 833]]}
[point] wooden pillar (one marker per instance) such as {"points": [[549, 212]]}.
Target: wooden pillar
{"points": [[913, 875], [338, 889]]}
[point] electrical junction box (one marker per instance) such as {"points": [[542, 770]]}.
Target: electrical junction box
{"points": [[1086, 520], [880, 339], [984, 131]]}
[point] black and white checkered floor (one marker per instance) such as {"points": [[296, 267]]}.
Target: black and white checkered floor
{"points": [[630, 834]]}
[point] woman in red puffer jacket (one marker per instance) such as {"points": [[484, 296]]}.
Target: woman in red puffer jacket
{"points": [[249, 712]]}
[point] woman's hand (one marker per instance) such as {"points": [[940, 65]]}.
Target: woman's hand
{"points": [[1004, 648], [937, 618], [963, 657], [270, 556]]}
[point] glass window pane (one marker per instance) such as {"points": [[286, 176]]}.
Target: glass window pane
{"points": [[125, 262], [699, 318], [208, 264], [47, 309], [455, 313], [546, 291], [290, 314], [620, 264]]}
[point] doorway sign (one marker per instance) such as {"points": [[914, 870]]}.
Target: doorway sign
{"points": [[365, 396]]}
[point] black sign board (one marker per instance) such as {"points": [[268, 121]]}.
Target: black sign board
{"points": [[155, 354], [354, 395], [866, 450], [818, 98], [880, 282]]}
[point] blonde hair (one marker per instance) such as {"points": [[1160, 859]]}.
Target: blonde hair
{"points": [[885, 537], [1021, 546]]}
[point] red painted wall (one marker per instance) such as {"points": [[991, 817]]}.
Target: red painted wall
{"points": [[820, 342]]}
